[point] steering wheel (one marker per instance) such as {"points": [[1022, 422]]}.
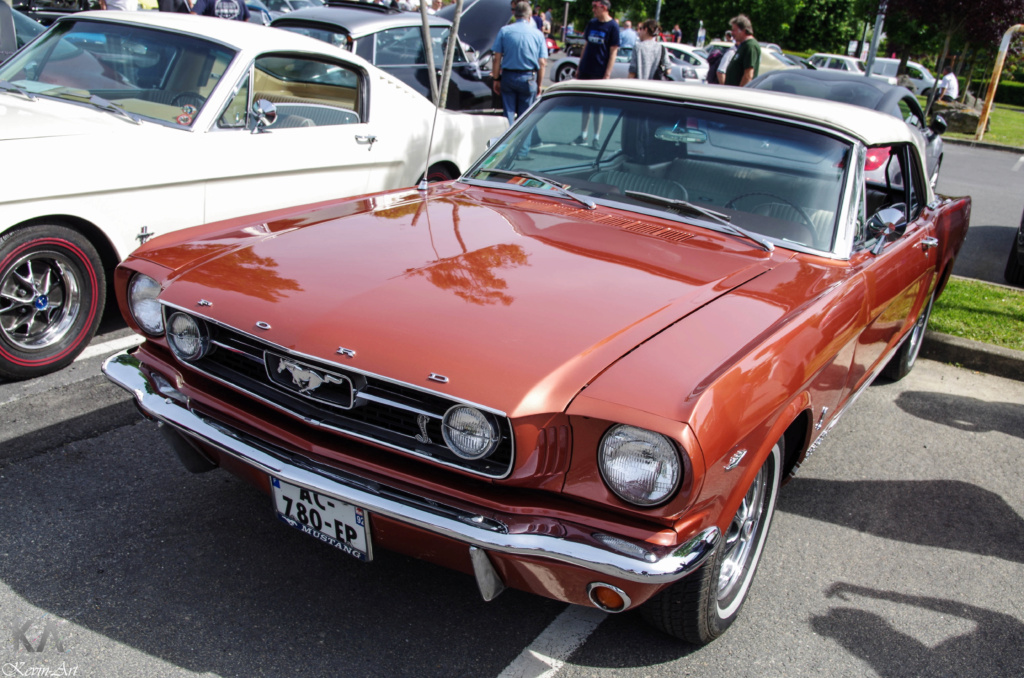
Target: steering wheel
{"points": [[188, 99], [812, 230]]}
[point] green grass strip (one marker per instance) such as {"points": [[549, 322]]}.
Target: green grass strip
{"points": [[976, 310]]}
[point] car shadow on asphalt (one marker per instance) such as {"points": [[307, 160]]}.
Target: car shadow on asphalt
{"points": [[891, 652], [144, 563], [948, 514], [964, 413]]}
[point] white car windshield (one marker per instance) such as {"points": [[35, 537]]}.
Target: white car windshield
{"points": [[683, 161], [133, 71]]}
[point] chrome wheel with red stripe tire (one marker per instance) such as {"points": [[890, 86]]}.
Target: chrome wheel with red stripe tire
{"points": [[52, 291]]}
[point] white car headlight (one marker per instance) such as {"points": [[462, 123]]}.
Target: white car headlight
{"points": [[640, 466], [469, 432], [144, 304], [187, 336]]}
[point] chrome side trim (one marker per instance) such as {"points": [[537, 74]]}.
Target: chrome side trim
{"points": [[490, 533]]}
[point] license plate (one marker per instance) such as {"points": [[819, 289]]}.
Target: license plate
{"points": [[330, 520]]}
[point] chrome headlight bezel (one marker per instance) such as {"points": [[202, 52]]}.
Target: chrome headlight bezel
{"points": [[458, 432], [649, 448], [144, 304], [178, 324]]}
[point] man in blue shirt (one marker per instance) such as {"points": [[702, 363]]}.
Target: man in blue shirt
{"points": [[520, 55], [627, 36], [600, 47]]}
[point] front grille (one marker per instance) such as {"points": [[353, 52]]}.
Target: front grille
{"points": [[382, 411]]}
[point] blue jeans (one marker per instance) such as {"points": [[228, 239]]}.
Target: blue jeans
{"points": [[518, 92]]}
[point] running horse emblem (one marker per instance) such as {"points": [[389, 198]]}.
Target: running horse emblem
{"points": [[306, 379]]}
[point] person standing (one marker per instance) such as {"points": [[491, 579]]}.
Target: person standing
{"points": [[627, 36], [677, 33], [745, 65], [949, 88], [648, 56], [520, 55], [225, 9], [600, 47]]}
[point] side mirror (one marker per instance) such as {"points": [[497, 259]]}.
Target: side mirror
{"points": [[265, 113], [888, 223], [938, 124]]}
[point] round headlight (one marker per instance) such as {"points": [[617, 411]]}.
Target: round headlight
{"points": [[144, 305], [469, 432], [640, 466], [187, 336]]}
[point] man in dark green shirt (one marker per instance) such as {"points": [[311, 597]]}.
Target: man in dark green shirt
{"points": [[745, 65]]}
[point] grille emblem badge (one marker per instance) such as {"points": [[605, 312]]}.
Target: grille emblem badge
{"points": [[306, 379], [422, 420]]}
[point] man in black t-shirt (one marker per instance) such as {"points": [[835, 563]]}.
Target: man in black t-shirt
{"points": [[600, 47]]}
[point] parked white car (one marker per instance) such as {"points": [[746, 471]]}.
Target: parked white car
{"points": [[565, 68], [920, 77], [848, 64], [120, 125], [688, 55]]}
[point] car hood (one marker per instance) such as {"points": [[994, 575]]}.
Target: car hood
{"points": [[44, 118], [518, 299], [481, 20]]}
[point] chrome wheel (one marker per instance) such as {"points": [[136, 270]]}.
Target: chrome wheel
{"points": [[917, 333], [565, 72], [739, 541], [40, 297]]}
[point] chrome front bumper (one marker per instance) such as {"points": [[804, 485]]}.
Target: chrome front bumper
{"points": [[600, 553]]}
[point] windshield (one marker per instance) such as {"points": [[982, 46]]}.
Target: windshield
{"points": [[148, 73], [780, 181]]}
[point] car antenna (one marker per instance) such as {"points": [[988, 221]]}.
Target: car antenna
{"points": [[449, 58]]}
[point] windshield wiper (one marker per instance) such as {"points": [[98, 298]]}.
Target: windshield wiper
{"points": [[100, 102], [17, 89], [562, 190], [687, 206]]}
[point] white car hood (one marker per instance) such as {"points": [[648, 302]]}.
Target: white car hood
{"points": [[24, 119]]}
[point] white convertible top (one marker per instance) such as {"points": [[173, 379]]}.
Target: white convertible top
{"points": [[871, 127]]}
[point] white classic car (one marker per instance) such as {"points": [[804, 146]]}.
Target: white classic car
{"points": [[119, 125]]}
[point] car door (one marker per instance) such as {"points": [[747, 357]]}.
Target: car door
{"points": [[897, 272], [321, 146]]}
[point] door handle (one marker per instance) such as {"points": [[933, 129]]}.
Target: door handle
{"points": [[929, 242], [370, 139]]}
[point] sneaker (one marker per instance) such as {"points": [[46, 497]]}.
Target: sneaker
{"points": [[581, 140], [596, 143]]}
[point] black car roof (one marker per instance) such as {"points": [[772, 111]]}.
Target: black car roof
{"points": [[356, 21], [833, 85]]}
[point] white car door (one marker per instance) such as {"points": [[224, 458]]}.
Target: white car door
{"points": [[319, 148]]}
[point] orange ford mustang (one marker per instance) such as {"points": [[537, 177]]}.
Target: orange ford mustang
{"points": [[584, 368]]}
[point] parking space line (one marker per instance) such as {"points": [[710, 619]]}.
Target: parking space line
{"points": [[1020, 161], [109, 347], [548, 651]]}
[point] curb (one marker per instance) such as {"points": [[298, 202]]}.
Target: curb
{"points": [[973, 355], [982, 144]]}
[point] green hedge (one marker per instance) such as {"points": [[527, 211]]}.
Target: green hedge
{"points": [[1009, 92]]}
